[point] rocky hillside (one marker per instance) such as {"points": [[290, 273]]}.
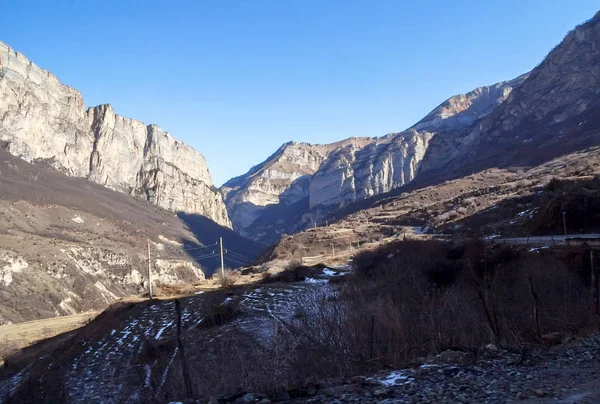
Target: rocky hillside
{"points": [[554, 111], [68, 245], [43, 120], [300, 184], [537, 117]]}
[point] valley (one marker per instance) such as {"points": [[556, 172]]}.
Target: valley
{"points": [[434, 264]]}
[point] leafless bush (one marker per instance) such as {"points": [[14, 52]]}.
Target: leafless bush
{"points": [[433, 296], [227, 278]]}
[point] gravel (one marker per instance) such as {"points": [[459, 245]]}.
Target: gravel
{"points": [[566, 373]]}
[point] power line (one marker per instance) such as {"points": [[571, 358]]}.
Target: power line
{"points": [[236, 261], [238, 258], [199, 248], [228, 251], [203, 257]]}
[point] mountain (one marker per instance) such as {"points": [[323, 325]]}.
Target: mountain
{"points": [[301, 183], [554, 111], [42, 120], [83, 192], [527, 121], [492, 175]]}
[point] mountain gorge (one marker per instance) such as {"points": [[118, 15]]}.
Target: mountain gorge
{"points": [[302, 184], [84, 193], [527, 121]]}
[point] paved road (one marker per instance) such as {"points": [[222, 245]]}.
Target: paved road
{"points": [[571, 239]]}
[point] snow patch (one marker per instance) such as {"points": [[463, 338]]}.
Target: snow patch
{"points": [[160, 332], [77, 219], [13, 265], [313, 280], [394, 378]]}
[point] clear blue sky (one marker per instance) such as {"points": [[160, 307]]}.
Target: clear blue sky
{"points": [[235, 79]]}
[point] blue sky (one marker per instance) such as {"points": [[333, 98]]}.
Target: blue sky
{"points": [[236, 79]]}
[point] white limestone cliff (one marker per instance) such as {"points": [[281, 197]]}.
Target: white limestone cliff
{"points": [[329, 176], [43, 120]]}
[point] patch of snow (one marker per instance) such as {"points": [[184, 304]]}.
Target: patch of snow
{"points": [[313, 280], [418, 230], [390, 256], [148, 371], [164, 376], [77, 219], [394, 378], [13, 265], [160, 332], [199, 292], [329, 272], [105, 292], [537, 249], [493, 236], [429, 365], [64, 305], [169, 241]]}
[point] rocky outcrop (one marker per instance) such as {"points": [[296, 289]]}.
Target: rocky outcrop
{"points": [[284, 178], [42, 120], [353, 173], [301, 183], [553, 112]]}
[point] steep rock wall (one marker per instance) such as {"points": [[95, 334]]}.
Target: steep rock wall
{"points": [[42, 120]]}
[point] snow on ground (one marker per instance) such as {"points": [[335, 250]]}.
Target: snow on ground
{"points": [[104, 368], [313, 280], [394, 378], [329, 272]]}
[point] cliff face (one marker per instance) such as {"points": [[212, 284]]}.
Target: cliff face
{"points": [[352, 172], [300, 182], [277, 179], [284, 178], [42, 120], [553, 112]]}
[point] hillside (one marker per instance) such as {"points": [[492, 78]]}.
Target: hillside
{"points": [[68, 245]]}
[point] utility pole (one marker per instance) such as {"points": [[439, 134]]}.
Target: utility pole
{"points": [[564, 215], [222, 263], [149, 273], [594, 284]]}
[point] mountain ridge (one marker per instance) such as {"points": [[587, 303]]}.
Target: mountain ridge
{"points": [[350, 169]]}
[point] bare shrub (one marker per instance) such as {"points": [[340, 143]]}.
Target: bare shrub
{"points": [[433, 296], [227, 278]]}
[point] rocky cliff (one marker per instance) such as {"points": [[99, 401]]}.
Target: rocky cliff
{"points": [[284, 178], [301, 183], [42, 120], [553, 112]]}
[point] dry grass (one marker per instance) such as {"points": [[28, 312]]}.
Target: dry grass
{"points": [[18, 336], [228, 278]]}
